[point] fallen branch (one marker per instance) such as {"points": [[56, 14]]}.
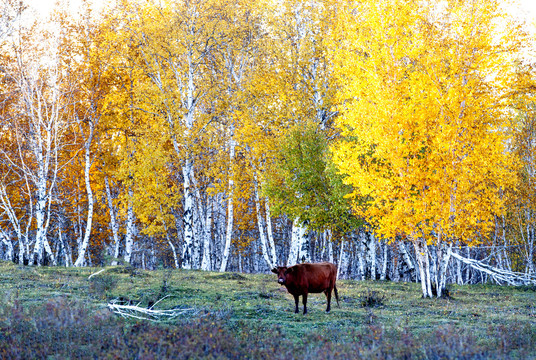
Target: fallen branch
{"points": [[501, 276], [97, 273], [151, 314]]}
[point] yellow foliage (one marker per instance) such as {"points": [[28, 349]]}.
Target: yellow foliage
{"points": [[422, 88]]}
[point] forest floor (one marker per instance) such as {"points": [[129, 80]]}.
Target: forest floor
{"points": [[58, 313]]}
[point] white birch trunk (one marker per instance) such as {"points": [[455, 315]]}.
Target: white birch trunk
{"points": [[198, 228], [269, 232], [505, 242], [206, 261], [342, 270], [327, 247], [304, 254], [459, 276], [421, 253], [174, 251], [468, 269], [9, 245], [228, 231], [434, 256], [130, 228], [114, 225], [299, 247], [80, 261], [294, 245], [9, 211], [362, 253], [230, 219], [330, 246], [188, 218], [444, 255], [371, 254], [66, 248], [406, 257], [40, 219], [383, 273], [260, 224], [529, 243]]}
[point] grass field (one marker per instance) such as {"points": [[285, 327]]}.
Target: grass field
{"points": [[57, 313]]}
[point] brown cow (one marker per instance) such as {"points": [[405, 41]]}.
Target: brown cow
{"points": [[303, 279]]}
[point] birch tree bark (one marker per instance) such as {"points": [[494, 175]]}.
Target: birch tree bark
{"points": [[80, 261], [421, 253], [20, 231], [362, 253], [207, 231], [371, 255], [230, 195], [114, 225], [260, 225], [299, 244], [407, 258], [383, 272], [459, 274], [130, 228], [304, 254], [269, 232], [443, 255], [6, 240], [205, 209], [67, 252], [188, 218], [342, 270]]}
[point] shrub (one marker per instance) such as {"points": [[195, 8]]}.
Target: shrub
{"points": [[372, 298], [102, 284]]}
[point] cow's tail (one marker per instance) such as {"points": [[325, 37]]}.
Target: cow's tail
{"points": [[336, 295]]}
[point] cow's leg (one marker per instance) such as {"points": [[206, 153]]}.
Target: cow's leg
{"points": [[328, 296], [296, 301], [304, 303]]}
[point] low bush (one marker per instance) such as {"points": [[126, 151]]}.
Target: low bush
{"points": [[372, 298], [100, 285]]}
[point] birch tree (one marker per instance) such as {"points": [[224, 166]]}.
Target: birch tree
{"points": [[423, 118], [84, 51], [175, 40], [524, 213], [237, 51], [38, 132]]}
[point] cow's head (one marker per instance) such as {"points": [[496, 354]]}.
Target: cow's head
{"points": [[282, 272]]}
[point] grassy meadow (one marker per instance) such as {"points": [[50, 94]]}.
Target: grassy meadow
{"points": [[58, 313]]}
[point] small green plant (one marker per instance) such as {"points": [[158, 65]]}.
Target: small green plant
{"points": [[102, 284], [372, 298]]}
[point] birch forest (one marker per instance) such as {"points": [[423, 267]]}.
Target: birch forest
{"points": [[396, 139]]}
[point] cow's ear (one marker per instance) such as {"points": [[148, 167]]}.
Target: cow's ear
{"points": [[289, 270], [274, 270]]}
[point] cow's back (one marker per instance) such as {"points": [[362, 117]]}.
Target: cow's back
{"points": [[317, 277]]}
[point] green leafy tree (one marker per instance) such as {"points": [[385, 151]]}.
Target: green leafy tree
{"points": [[304, 183]]}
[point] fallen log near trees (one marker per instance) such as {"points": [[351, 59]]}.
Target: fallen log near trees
{"points": [[150, 313], [501, 276]]}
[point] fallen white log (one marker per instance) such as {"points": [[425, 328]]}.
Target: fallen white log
{"points": [[151, 314], [500, 276]]}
